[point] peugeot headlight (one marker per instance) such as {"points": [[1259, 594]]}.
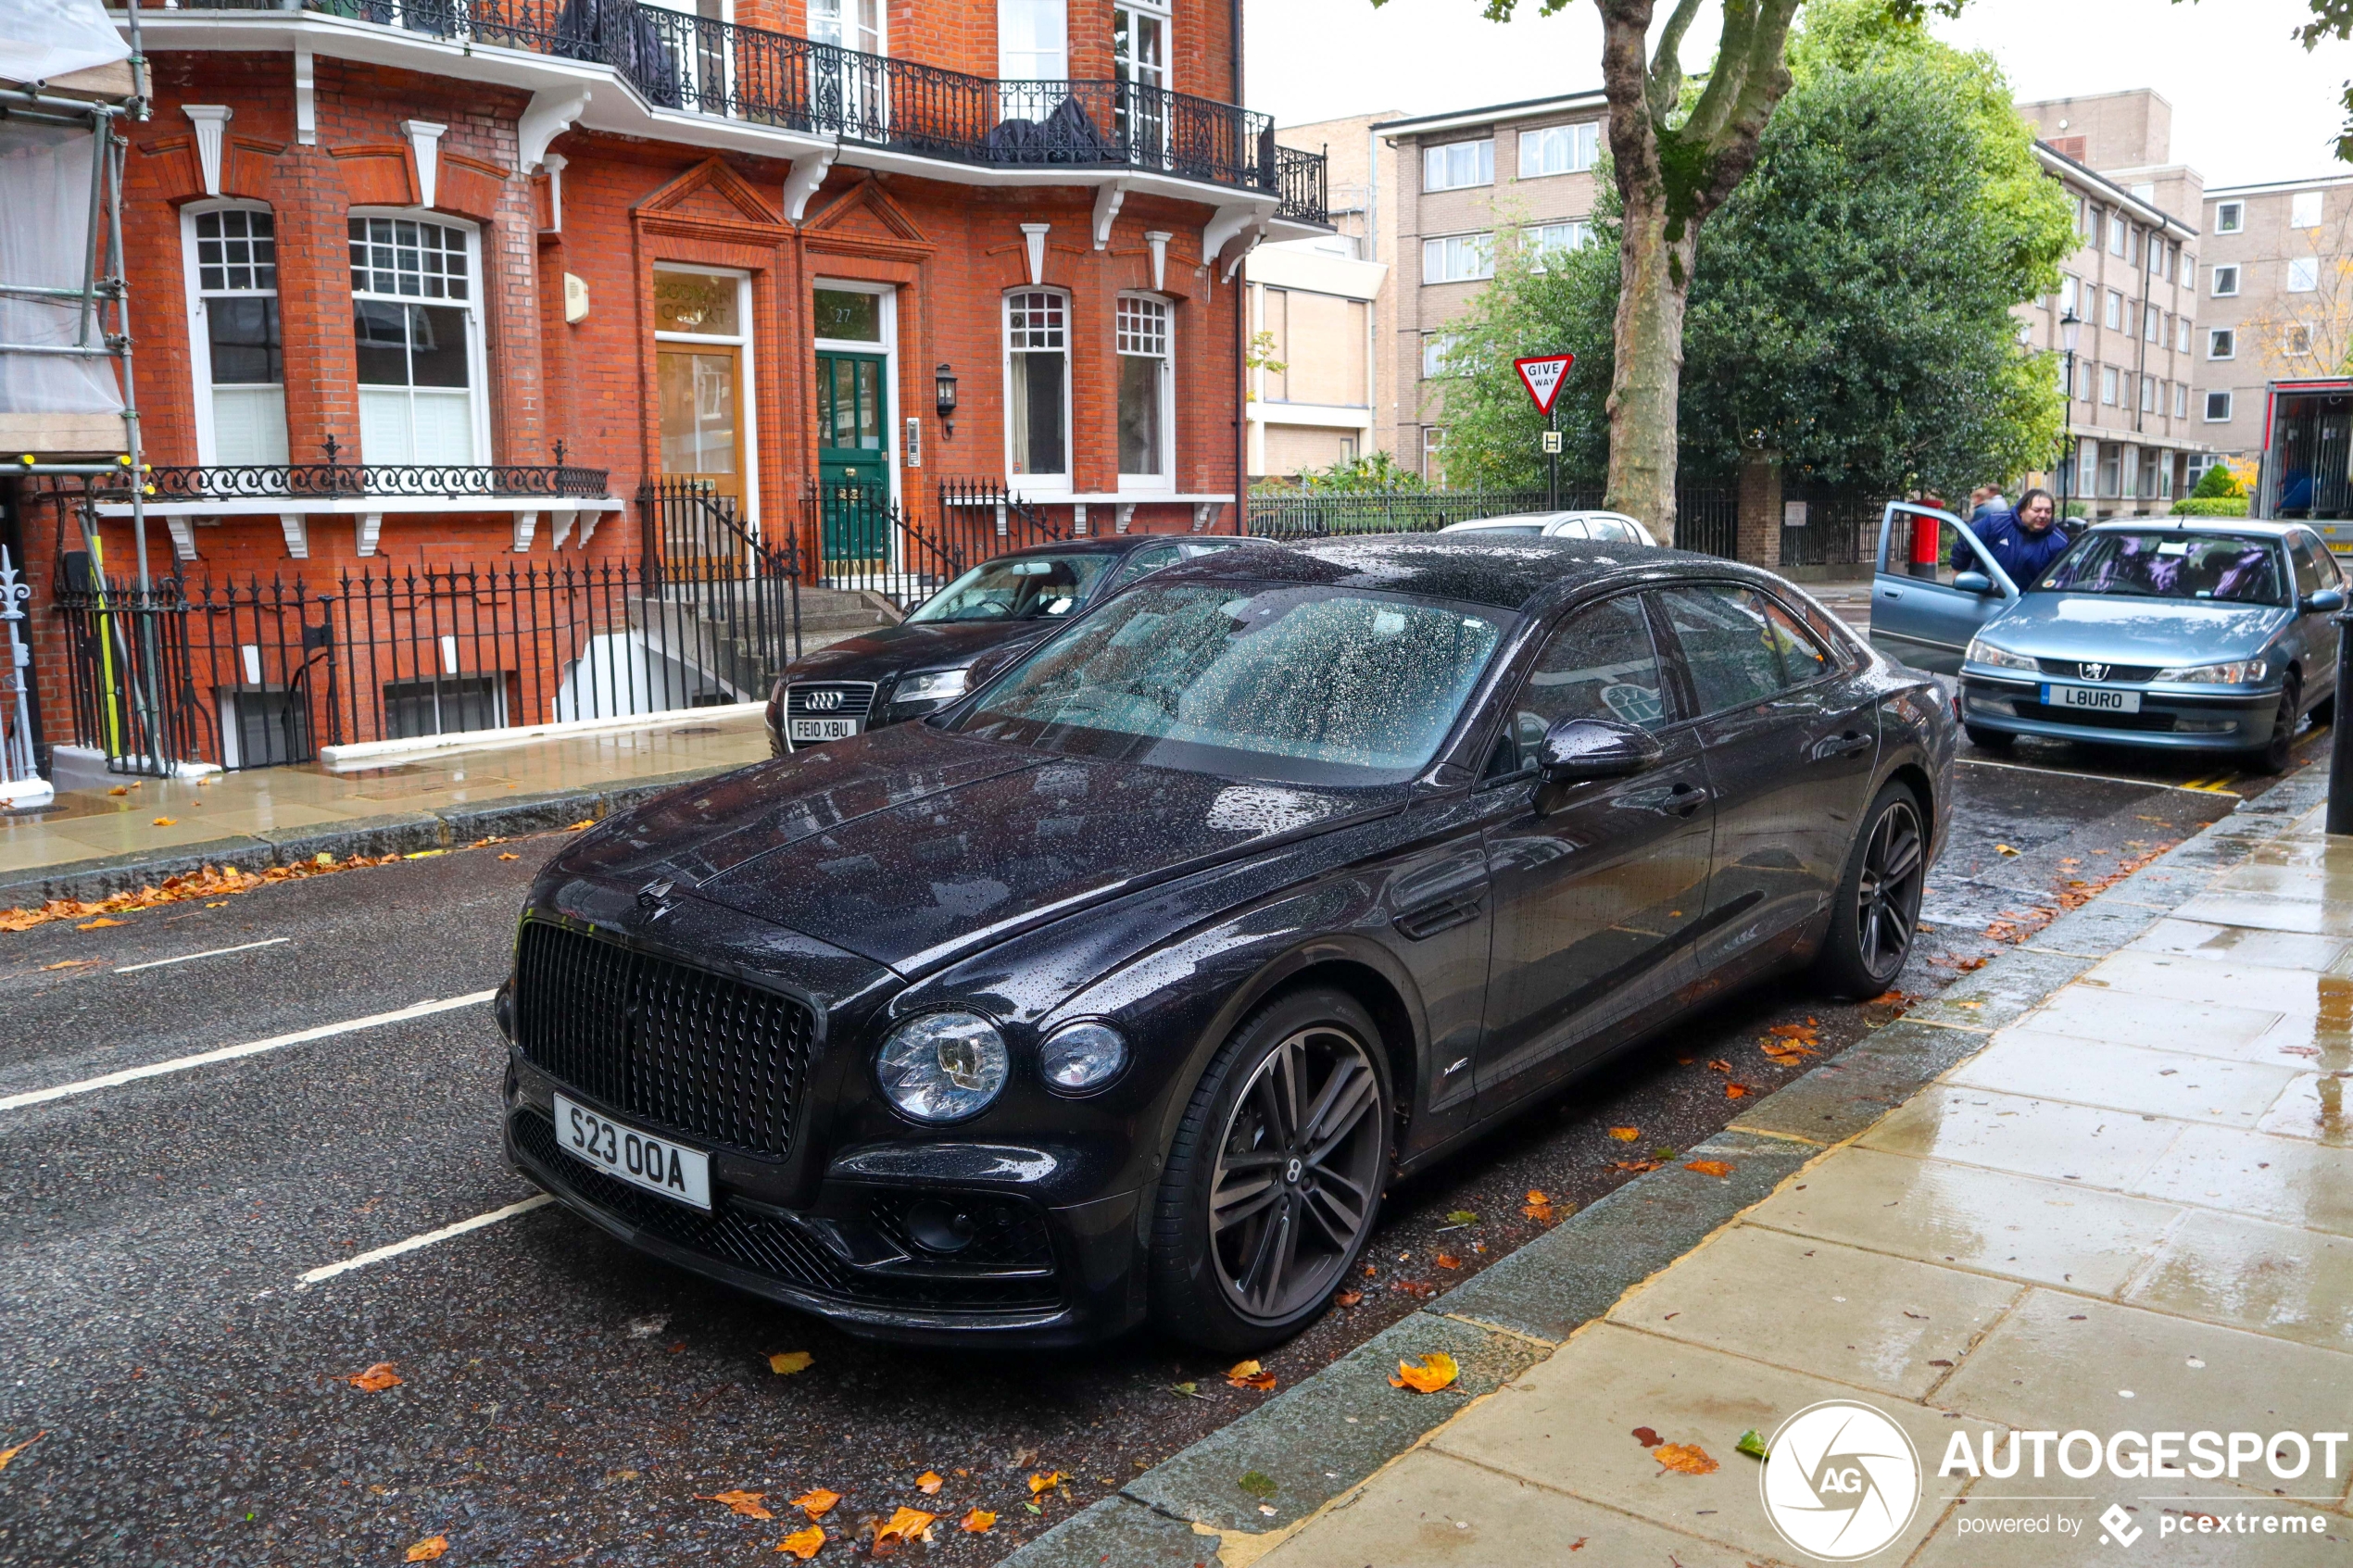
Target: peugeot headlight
{"points": [[2238, 672], [1985, 653], [942, 1066], [1083, 1057], [936, 686]]}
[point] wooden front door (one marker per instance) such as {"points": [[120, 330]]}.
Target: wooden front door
{"points": [[853, 455]]}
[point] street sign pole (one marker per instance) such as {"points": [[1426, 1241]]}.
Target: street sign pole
{"points": [[1543, 375], [1553, 459]]}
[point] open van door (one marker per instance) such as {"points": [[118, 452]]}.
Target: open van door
{"points": [[1935, 585]]}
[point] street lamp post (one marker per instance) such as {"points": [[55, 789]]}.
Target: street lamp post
{"points": [[2070, 334]]}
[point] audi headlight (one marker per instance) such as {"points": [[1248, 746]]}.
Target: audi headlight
{"points": [[937, 686], [2239, 673], [942, 1066], [1985, 653], [1083, 1057]]}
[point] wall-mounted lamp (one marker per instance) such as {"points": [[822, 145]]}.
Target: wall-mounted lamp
{"points": [[944, 389]]}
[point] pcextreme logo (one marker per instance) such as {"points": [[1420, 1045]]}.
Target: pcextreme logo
{"points": [[1840, 1481]]}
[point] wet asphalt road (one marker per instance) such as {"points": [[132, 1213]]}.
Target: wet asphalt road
{"points": [[564, 1401]]}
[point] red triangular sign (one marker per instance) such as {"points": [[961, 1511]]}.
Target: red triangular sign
{"points": [[1542, 376]]}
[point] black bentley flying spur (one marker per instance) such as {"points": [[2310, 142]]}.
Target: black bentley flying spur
{"points": [[1119, 989]]}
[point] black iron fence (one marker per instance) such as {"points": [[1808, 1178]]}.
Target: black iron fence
{"points": [[676, 59], [1840, 527], [252, 673]]}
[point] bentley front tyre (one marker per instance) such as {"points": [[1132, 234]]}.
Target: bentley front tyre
{"points": [[1273, 1180], [1877, 911]]}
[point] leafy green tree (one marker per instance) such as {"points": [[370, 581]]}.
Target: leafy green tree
{"points": [[1677, 150], [1851, 312], [1375, 473]]}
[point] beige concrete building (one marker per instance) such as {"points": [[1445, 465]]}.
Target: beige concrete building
{"points": [[2278, 299], [2127, 303], [1317, 308], [1457, 186]]}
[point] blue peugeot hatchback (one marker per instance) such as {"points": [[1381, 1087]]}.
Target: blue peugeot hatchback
{"points": [[2210, 634]]}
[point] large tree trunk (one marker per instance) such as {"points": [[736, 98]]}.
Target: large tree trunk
{"points": [[1655, 280], [1671, 176]]}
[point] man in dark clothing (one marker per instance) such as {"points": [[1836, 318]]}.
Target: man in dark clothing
{"points": [[2024, 542]]}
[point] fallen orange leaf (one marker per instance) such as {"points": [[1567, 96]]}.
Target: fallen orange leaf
{"points": [[511, 856], [1891, 997], [1636, 1166], [803, 1543], [167, 822], [99, 925], [1348, 1297], [1539, 1212], [1709, 1167], [785, 1362], [930, 1481], [70, 963], [376, 1379], [905, 1525], [745, 1503], [1542, 1197], [584, 822], [1737, 1091], [118, 789], [7, 1454], [817, 1503], [1437, 1371], [1804, 1031], [1243, 1369], [428, 1548], [1720, 1066], [1626, 1134], [1047, 1482], [1448, 1260], [1645, 1437], [1262, 1381], [977, 1522], [1688, 1458]]}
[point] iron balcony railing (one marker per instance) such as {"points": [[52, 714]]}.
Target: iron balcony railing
{"points": [[679, 61], [230, 482]]}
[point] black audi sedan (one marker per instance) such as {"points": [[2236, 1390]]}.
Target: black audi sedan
{"points": [[1120, 990], [925, 662]]}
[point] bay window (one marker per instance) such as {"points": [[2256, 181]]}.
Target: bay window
{"points": [[413, 317], [235, 345], [1145, 404], [1037, 386]]}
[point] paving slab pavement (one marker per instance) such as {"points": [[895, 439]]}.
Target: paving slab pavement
{"points": [[91, 842], [2105, 1185]]}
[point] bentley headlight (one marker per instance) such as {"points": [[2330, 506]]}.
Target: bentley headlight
{"points": [[2239, 673], [1083, 1057], [942, 1066], [936, 686], [1985, 653]]}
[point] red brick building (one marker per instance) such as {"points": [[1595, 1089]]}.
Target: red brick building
{"points": [[749, 246], [424, 283]]}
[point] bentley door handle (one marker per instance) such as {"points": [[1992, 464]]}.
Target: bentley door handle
{"points": [[1684, 799], [1846, 744]]}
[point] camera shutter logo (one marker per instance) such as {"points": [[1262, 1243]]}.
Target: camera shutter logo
{"points": [[1842, 1480]]}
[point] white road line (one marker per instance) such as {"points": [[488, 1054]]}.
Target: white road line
{"points": [[186, 958], [252, 1047], [415, 1242], [2103, 778]]}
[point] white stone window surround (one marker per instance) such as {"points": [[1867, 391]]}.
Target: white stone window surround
{"points": [[423, 272], [245, 422], [1145, 329], [1037, 326]]}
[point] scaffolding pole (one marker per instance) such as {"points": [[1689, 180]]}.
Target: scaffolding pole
{"points": [[104, 290]]}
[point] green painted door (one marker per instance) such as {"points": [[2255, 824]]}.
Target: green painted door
{"points": [[853, 455]]}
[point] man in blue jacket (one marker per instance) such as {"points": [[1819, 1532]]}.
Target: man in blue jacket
{"points": [[2024, 541]]}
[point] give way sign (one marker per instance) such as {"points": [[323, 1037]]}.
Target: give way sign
{"points": [[1543, 377]]}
